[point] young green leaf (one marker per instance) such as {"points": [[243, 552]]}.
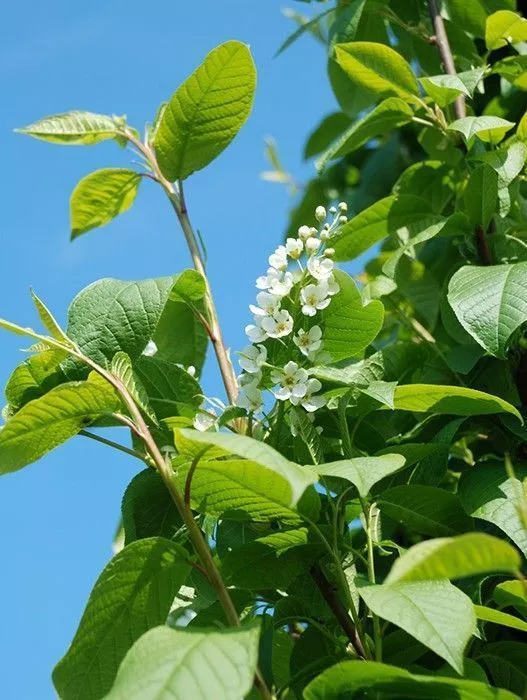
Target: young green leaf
{"points": [[499, 618], [513, 69], [488, 129], [348, 325], [454, 557], [49, 322], [389, 681], [363, 472], [490, 303], [100, 197], [133, 594], [50, 420], [511, 594], [455, 400], [307, 26], [481, 196], [206, 112], [75, 128], [488, 493], [436, 613], [504, 27], [168, 662], [168, 386], [34, 377], [121, 367], [376, 68], [444, 89]]}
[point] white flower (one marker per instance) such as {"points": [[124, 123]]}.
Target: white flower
{"points": [[304, 232], [250, 398], [252, 358], [255, 332], [294, 247], [268, 304], [244, 380], [308, 341], [150, 350], [312, 245], [308, 400], [320, 268], [278, 325], [320, 213], [191, 370], [293, 381], [204, 420], [314, 297], [278, 259], [278, 283], [333, 287]]}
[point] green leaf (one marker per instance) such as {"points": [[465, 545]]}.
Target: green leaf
{"points": [[330, 128], [363, 472], [34, 377], [425, 509], [307, 433], [403, 215], [121, 367], [504, 27], [454, 400], [100, 197], [488, 493], [349, 326], [272, 561], [180, 336], [507, 161], [444, 89], [49, 322], [133, 594], [454, 557], [499, 618], [185, 664], [487, 128], [511, 594], [75, 128], [189, 286], [513, 69], [167, 386], [50, 420], [376, 68], [306, 26], [490, 303], [112, 315], [387, 116], [148, 509], [432, 180], [505, 662], [481, 196], [352, 677], [262, 486], [436, 613], [206, 112]]}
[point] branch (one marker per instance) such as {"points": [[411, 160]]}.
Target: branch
{"points": [[329, 592], [443, 45], [482, 246], [111, 443]]}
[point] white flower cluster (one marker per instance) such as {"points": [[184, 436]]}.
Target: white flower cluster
{"points": [[308, 287]]}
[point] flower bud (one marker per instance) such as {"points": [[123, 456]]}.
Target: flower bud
{"points": [[320, 213], [329, 252], [343, 206], [333, 210], [343, 219], [312, 245], [324, 235], [304, 232]]}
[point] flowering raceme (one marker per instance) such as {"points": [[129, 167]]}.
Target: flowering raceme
{"points": [[287, 330]]}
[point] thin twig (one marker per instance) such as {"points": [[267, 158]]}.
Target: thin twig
{"points": [[111, 443], [443, 45]]}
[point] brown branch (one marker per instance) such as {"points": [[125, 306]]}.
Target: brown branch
{"points": [[330, 594], [482, 246], [443, 45]]}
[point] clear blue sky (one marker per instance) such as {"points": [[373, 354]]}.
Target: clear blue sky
{"points": [[57, 517]]}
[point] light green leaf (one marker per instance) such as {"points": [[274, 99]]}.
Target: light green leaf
{"points": [[306, 26], [47, 341], [352, 677], [499, 618], [50, 420], [167, 386], [405, 215], [487, 493], [382, 392], [206, 112], [444, 89], [455, 400], [188, 664], [487, 128], [348, 325], [133, 594], [507, 161], [49, 322], [189, 286], [436, 613], [308, 434], [513, 69], [363, 472], [505, 27], [390, 266], [377, 68], [180, 335], [330, 128], [112, 315], [263, 485], [511, 593], [75, 128], [454, 557], [490, 303], [388, 115], [425, 509], [100, 197], [34, 377], [481, 196], [121, 367]]}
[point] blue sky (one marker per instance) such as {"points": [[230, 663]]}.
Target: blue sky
{"points": [[57, 517]]}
